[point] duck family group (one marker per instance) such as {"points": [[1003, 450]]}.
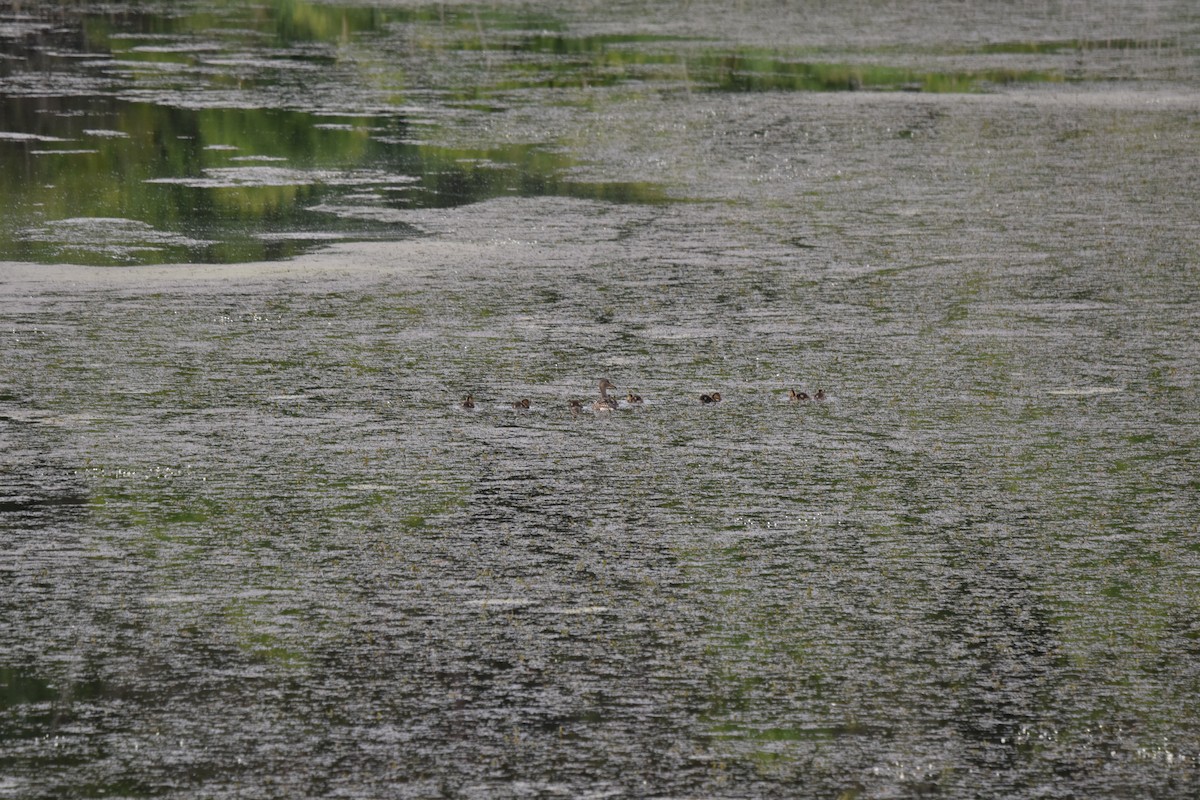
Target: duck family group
{"points": [[607, 403]]}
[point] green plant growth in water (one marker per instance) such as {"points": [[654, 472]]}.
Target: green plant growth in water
{"points": [[257, 632], [289, 22]]}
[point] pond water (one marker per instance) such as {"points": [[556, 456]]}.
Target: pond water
{"points": [[255, 255]]}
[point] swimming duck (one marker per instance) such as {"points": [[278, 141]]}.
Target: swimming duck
{"points": [[576, 407], [820, 395], [715, 397], [605, 403], [796, 397], [633, 399], [468, 402], [522, 404]]}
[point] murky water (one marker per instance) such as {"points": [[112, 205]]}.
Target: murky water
{"points": [[251, 545]]}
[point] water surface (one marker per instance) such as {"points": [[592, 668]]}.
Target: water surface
{"points": [[250, 545]]}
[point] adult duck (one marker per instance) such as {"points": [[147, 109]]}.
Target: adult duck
{"points": [[605, 403]]}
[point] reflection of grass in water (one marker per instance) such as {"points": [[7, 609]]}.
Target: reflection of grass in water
{"points": [[292, 22], [171, 190], [749, 73], [1053, 47], [577, 62]]}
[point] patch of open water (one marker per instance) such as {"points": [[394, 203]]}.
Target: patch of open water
{"points": [[250, 544]]}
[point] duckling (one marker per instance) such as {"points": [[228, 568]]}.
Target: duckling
{"points": [[522, 404], [576, 407], [797, 397], [633, 399], [468, 403], [820, 395], [706, 399], [605, 403]]}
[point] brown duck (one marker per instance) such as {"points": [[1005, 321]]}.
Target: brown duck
{"points": [[605, 403]]}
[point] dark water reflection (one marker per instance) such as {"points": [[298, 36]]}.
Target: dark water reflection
{"points": [[108, 181], [135, 137]]}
